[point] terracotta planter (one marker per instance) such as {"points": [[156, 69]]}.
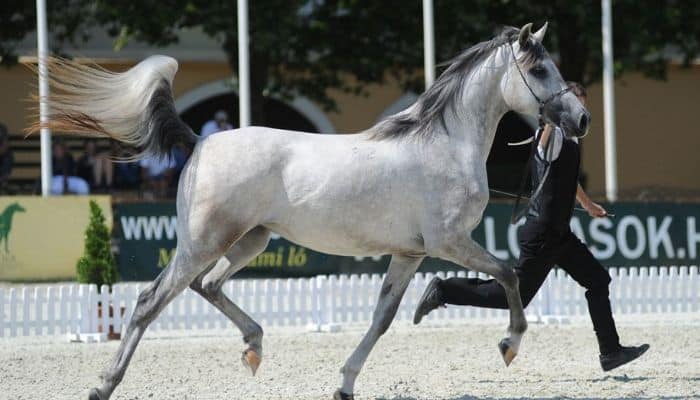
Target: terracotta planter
{"points": [[111, 335]]}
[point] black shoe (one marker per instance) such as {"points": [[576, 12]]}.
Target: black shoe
{"points": [[622, 356], [430, 300]]}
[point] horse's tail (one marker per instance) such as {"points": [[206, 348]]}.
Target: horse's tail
{"points": [[134, 107]]}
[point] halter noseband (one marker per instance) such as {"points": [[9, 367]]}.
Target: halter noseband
{"points": [[542, 104]]}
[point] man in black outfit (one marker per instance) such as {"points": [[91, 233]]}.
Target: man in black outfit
{"points": [[546, 240]]}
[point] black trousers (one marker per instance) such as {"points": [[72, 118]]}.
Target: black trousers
{"points": [[540, 250]]}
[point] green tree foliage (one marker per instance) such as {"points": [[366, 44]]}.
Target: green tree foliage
{"points": [[310, 46], [97, 265], [66, 19], [645, 32]]}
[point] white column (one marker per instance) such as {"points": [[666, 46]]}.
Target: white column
{"points": [[243, 65], [42, 52], [609, 104], [428, 43]]}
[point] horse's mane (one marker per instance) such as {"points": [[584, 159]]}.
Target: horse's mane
{"points": [[431, 106]]}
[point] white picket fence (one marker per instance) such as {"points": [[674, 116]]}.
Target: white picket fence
{"points": [[327, 300]]}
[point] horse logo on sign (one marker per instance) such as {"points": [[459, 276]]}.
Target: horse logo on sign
{"points": [[6, 222]]}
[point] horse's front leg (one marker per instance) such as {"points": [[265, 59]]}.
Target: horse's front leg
{"points": [[467, 253], [401, 270]]}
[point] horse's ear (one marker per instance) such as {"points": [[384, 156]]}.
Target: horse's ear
{"points": [[539, 35], [524, 36]]}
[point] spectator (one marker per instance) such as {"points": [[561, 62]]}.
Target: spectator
{"points": [[6, 159], [96, 168], [181, 153], [127, 174], [218, 124], [64, 180], [156, 174]]}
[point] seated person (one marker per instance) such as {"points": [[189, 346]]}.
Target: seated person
{"points": [[218, 124], [181, 153], [6, 159], [96, 168], [127, 174], [64, 179], [156, 174]]}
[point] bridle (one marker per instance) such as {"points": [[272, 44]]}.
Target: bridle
{"points": [[516, 215], [542, 103]]}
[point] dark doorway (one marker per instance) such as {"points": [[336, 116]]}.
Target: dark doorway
{"points": [[277, 114], [506, 163]]}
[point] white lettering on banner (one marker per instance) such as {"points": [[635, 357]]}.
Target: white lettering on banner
{"points": [[602, 237], [641, 239], [693, 238], [513, 237], [577, 229], [490, 237], [151, 228], [373, 258], [659, 235]]}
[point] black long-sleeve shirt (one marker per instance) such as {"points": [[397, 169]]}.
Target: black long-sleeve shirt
{"points": [[554, 205]]}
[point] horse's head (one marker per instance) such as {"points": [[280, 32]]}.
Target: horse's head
{"points": [[532, 85], [15, 207]]}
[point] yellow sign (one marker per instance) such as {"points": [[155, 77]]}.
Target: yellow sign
{"points": [[42, 238]]}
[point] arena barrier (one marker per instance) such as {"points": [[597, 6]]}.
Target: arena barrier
{"points": [[325, 302]]}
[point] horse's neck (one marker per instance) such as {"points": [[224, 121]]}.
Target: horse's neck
{"points": [[474, 122]]}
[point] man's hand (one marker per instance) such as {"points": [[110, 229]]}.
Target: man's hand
{"points": [[595, 210]]}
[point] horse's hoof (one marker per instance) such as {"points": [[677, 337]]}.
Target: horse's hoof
{"points": [[251, 360], [94, 395], [507, 352], [338, 395]]}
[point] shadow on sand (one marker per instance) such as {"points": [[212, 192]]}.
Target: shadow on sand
{"points": [[468, 397], [609, 378]]}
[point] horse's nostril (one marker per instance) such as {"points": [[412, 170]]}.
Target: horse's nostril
{"points": [[583, 122]]}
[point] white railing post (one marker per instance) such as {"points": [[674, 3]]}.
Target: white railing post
{"points": [[26, 303], [13, 312], [84, 309], [38, 308], [329, 303], [51, 320], [2, 312], [316, 304], [104, 300], [694, 279]]}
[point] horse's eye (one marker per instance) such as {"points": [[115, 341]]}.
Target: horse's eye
{"points": [[539, 71]]}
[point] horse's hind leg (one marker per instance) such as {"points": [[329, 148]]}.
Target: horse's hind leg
{"points": [[401, 270], [209, 285], [151, 301]]}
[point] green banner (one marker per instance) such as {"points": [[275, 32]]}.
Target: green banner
{"points": [[640, 234]]}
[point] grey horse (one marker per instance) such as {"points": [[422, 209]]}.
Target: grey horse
{"points": [[412, 186]]}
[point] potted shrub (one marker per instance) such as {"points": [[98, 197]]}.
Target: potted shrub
{"points": [[97, 265]]}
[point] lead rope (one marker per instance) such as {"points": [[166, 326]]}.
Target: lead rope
{"points": [[515, 214]]}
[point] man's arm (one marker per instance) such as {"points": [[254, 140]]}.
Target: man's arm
{"points": [[594, 209]]}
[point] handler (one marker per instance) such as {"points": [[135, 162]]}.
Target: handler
{"points": [[545, 240]]}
